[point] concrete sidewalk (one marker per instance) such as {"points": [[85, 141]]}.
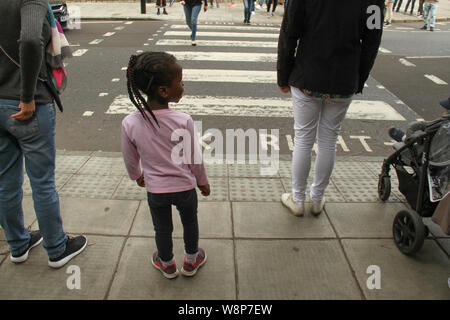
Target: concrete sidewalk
{"points": [[105, 10], [256, 248]]}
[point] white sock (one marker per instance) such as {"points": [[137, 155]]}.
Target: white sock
{"points": [[191, 258]]}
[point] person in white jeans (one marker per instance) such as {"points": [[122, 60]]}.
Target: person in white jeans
{"points": [[315, 119]]}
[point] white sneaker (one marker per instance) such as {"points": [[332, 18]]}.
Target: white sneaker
{"points": [[296, 208], [317, 207]]}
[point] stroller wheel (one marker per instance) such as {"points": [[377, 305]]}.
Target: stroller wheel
{"points": [[409, 231], [384, 187]]}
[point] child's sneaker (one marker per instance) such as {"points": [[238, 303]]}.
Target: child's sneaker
{"points": [[190, 269], [35, 239], [169, 271]]}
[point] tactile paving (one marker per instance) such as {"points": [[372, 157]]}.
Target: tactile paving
{"points": [[60, 180], [216, 170], [129, 190], [219, 190], [332, 194], [356, 170], [70, 164], [91, 186], [250, 171], [360, 190], [255, 189], [104, 166]]}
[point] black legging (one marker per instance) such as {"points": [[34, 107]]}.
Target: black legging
{"points": [[275, 3]]}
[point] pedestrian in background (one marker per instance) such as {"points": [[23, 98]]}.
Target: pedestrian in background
{"points": [[397, 4], [429, 14], [147, 148], [389, 10], [191, 11], [420, 9], [159, 5], [27, 131], [412, 6], [323, 62], [269, 3], [247, 11]]}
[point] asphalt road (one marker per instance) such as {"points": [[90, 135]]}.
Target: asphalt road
{"points": [[98, 83]]}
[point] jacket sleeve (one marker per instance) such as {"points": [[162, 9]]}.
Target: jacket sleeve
{"points": [[196, 164], [130, 154], [372, 30], [31, 45], [290, 33]]}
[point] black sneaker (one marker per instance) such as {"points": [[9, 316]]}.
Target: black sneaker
{"points": [[396, 134], [164, 11], [431, 29], [424, 28], [74, 246], [35, 239]]}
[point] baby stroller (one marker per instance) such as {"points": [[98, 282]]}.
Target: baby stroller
{"points": [[422, 167]]}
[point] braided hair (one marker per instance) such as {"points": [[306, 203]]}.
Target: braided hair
{"points": [[146, 73]]}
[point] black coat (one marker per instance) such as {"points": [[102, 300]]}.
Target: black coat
{"points": [[329, 46]]}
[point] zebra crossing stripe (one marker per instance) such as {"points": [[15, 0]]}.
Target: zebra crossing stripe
{"points": [[258, 107], [224, 56], [225, 27], [219, 43], [224, 34], [224, 75]]}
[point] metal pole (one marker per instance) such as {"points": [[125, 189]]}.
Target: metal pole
{"points": [[143, 6]]}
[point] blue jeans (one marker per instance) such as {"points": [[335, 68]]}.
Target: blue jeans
{"points": [[160, 205], [429, 13], [247, 9], [191, 14], [34, 140]]}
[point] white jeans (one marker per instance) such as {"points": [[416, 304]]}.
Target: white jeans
{"points": [[321, 119]]}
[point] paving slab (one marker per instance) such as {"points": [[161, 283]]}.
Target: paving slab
{"points": [[70, 163], [136, 278], [255, 189], [422, 276], [104, 166], [91, 186], [214, 219], [273, 220], [97, 216], [294, 270], [129, 190], [445, 244], [363, 220], [35, 280], [360, 189], [219, 190]]}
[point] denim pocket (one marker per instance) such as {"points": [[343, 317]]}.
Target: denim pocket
{"points": [[23, 128]]}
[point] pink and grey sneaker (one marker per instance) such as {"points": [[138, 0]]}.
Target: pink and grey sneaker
{"points": [[169, 271], [190, 269]]}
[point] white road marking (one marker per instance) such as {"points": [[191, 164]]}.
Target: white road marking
{"points": [[129, 22], [404, 28], [96, 41], [88, 113], [226, 27], [219, 43], [435, 79], [406, 62], [103, 94], [79, 52], [119, 28], [224, 34], [109, 34], [383, 50], [124, 68], [225, 75], [115, 80], [363, 139], [428, 57], [379, 86], [224, 56], [258, 107]]}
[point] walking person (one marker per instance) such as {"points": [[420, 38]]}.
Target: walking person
{"points": [[148, 151], [191, 11], [269, 3], [412, 2], [420, 9], [322, 62], [429, 14], [159, 4], [27, 131], [247, 11], [389, 11], [398, 4]]}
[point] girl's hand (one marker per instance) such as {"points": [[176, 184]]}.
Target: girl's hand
{"points": [[182, 2], [286, 89], [140, 181], [205, 8], [205, 190], [26, 112]]}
